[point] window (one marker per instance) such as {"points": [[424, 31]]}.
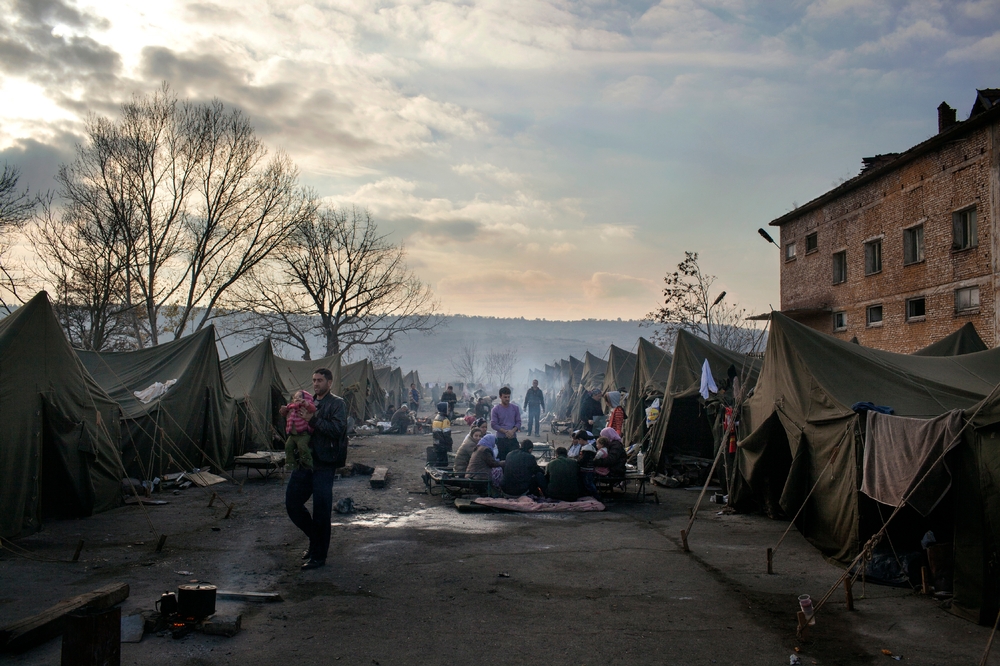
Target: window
{"points": [[916, 308], [873, 257], [963, 225], [873, 315], [913, 245], [840, 321], [812, 244], [967, 299], [789, 251], [840, 267]]}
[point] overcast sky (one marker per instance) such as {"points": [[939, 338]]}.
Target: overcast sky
{"points": [[538, 159]]}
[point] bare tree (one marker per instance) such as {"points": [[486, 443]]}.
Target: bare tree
{"points": [[195, 202], [499, 366], [688, 304], [382, 354], [16, 207], [347, 279], [466, 363]]}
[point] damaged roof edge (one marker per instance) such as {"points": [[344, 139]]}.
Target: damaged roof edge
{"points": [[950, 134]]}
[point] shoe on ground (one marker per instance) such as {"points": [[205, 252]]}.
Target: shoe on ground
{"points": [[313, 564]]}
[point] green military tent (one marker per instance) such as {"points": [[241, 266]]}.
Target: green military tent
{"points": [[806, 445], [685, 427], [591, 377], [652, 368], [59, 430], [297, 375], [361, 390], [413, 377], [192, 423], [963, 341], [620, 370], [253, 379]]}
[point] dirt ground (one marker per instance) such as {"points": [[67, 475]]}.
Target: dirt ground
{"points": [[411, 580]]}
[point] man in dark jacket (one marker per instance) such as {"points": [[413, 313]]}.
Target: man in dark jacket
{"points": [[534, 402], [563, 477], [521, 473], [329, 449], [450, 397]]}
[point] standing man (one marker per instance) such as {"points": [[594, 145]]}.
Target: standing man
{"points": [[329, 449], [534, 402], [450, 397], [414, 399], [505, 419]]}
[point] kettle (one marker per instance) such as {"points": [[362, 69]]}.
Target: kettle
{"points": [[167, 605]]}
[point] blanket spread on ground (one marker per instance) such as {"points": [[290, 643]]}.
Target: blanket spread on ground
{"points": [[540, 505]]}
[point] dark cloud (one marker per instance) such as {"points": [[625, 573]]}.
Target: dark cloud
{"points": [[39, 162], [30, 45]]}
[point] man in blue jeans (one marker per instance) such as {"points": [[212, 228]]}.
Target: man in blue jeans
{"points": [[329, 448], [534, 402]]}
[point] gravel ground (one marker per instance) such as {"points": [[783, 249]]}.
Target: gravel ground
{"points": [[411, 580]]}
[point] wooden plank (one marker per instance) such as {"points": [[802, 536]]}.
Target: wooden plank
{"points": [[379, 477], [48, 624], [260, 597]]}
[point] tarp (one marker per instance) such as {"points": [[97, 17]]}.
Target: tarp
{"points": [[297, 375], [963, 341], [253, 380], [652, 369], [192, 423], [684, 426], [804, 433], [59, 430], [620, 370]]}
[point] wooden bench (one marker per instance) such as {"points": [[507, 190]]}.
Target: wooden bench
{"points": [[451, 485]]}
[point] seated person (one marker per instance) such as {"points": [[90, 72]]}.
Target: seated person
{"points": [[521, 473], [400, 420], [563, 475], [586, 462], [484, 462], [580, 438], [613, 463], [466, 450]]}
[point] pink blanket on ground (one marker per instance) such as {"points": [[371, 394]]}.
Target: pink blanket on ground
{"points": [[529, 505]]}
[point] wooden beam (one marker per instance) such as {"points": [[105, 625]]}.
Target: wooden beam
{"points": [[379, 477], [260, 597], [48, 624]]}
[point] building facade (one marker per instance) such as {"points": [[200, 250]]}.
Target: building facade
{"points": [[908, 251]]}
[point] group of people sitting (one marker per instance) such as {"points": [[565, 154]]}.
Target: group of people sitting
{"points": [[571, 475]]}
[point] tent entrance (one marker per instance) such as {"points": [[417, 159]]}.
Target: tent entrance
{"points": [[66, 489]]}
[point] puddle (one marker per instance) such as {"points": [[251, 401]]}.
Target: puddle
{"points": [[428, 519]]}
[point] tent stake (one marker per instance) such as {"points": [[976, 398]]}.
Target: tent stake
{"points": [[925, 587], [159, 544], [229, 511], [79, 548], [803, 625], [684, 541], [848, 594], [212, 501], [770, 557]]}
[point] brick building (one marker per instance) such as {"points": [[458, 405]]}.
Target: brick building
{"points": [[909, 250]]}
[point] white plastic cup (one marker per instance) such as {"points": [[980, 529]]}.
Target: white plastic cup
{"points": [[806, 604]]}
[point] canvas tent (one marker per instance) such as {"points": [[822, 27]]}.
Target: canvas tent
{"points": [[361, 390], [963, 341], [652, 369], [413, 377], [191, 423], [591, 377], [806, 438], [253, 380], [59, 429], [620, 370], [297, 375], [684, 426]]}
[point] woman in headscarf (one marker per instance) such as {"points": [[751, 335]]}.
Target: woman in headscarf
{"points": [[615, 460], [616, 419], [484, 461], [465, 451]]}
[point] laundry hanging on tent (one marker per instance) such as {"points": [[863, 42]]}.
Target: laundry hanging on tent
{"points": [[652, 413], [904, 459], [707, 381], [153, 391]]}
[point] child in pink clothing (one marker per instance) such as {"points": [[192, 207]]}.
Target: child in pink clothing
{"points": [[300, 411]]}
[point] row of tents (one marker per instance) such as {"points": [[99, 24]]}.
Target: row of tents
{"points": [[800, 444], [72, 425]]}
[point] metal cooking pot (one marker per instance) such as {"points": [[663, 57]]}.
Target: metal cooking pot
{"points": [[167, 604], [196, 600]]}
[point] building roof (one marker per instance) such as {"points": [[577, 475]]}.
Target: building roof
{"points": [[985, 110]]}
